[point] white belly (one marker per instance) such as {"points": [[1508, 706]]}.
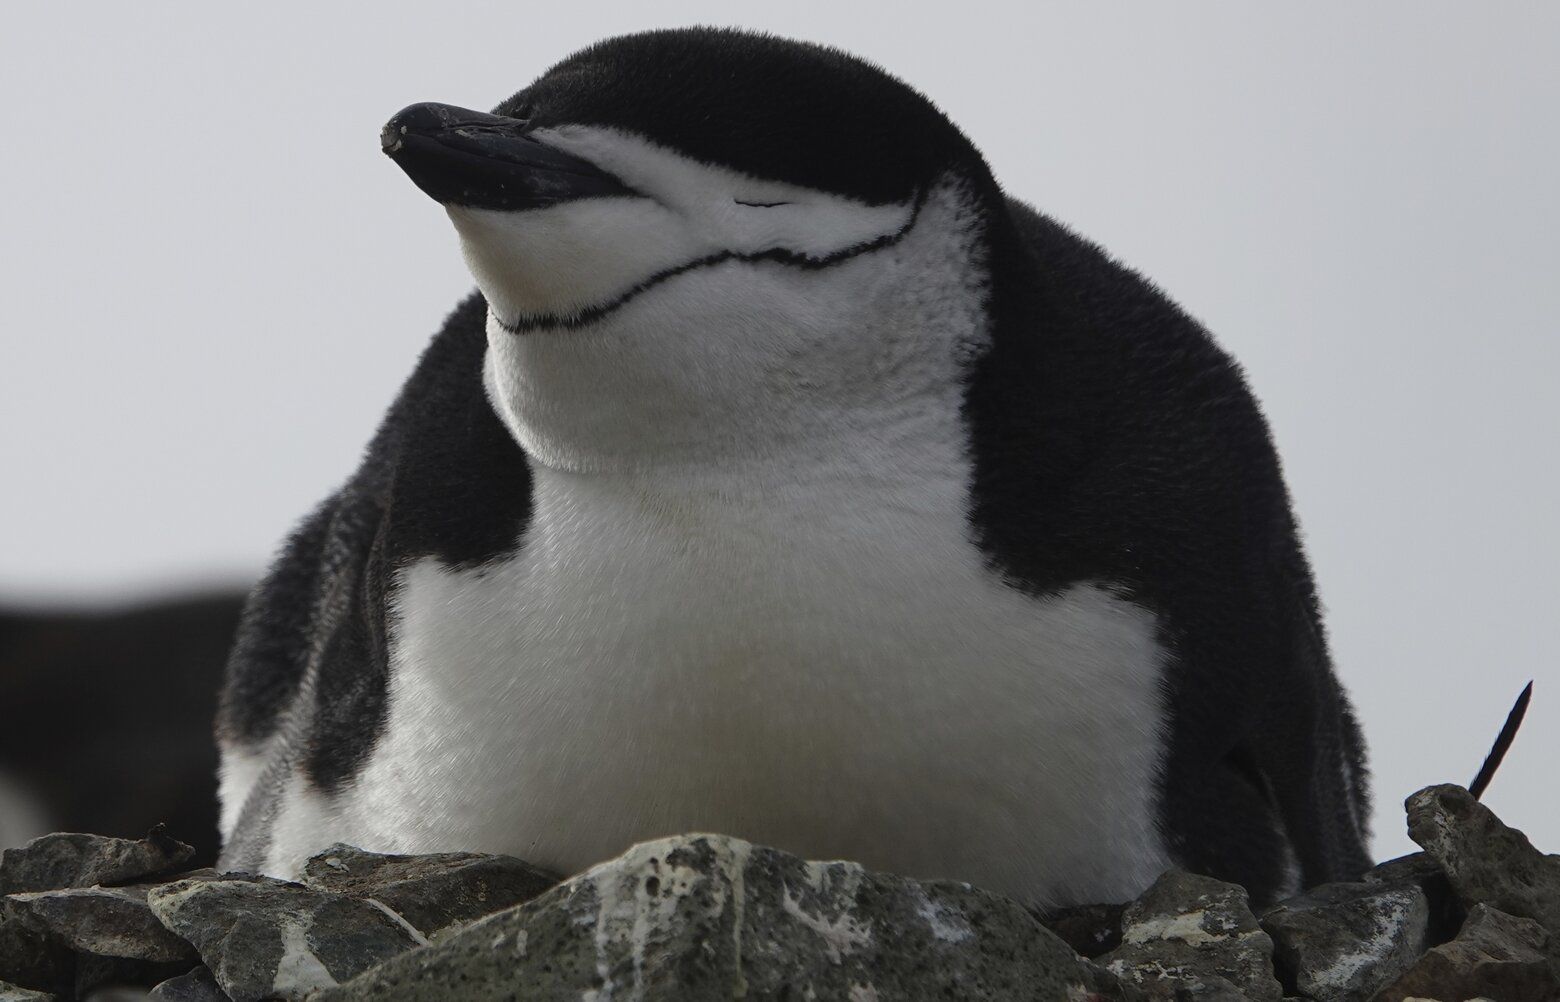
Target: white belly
{"points": [[836, 679]]}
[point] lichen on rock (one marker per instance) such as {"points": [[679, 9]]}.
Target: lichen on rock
{"points": [[714, 918], [1190, 933]]}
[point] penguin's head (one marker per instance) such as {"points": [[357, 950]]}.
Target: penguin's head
{"points": [[691, 240]]}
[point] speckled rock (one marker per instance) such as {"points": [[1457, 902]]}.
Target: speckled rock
{"points": [[16, 993], [1495, 955], [1190, 936], [1343, 942], [196, 986], [1486, 861], [107, 921], [431, 892], [73, 860], [265, 939], [704, 918], [1420, 871]]}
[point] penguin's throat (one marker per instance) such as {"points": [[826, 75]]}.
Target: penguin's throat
{"points": [[742, 444]]}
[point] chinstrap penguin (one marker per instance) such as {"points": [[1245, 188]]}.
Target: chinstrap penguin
{"points": [[788, 479]]}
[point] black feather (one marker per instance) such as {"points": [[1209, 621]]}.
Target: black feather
{"points": [[1508, 734]]}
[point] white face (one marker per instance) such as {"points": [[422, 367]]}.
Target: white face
{"points": [[716, 318]]}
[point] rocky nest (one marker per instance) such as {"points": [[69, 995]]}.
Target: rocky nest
{"points": [[707, 917]]}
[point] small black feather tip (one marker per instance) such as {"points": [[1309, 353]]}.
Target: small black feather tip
{"points": [[1508, 734]]}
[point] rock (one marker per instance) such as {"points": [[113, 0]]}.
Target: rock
{"points": [[1089, 929], [72, 860], [1190, 936], [107, 921], [431, 892], [196, 986], [266, 938], [701, 918], [1342, 942], [16, 993], [1498, 955], [1417, 868], [30, 959], [1485, 861]]}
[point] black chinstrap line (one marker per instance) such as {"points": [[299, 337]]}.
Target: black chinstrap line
{"points": [[592, 314]]}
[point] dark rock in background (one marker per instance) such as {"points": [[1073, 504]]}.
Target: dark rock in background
{"points": [[31, 959], [196, 986], [431, 892], [74, 860], [265, 939], [116, 735], [1091, 930], [705, 918], [1193, 936], [16, 993], [1343, 942], [111, 979]]}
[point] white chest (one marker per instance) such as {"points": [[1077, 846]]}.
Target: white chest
{"points": [[834, 672]]}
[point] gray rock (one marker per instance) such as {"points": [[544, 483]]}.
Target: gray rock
{"points": [[702, 918], [1417, 868], [66, 859], [1190, 936], [107, 921], [1485, 860], [266, 939], [196, 986], [431, 892], [1343, 942], [16, 993], [1496, 955]]}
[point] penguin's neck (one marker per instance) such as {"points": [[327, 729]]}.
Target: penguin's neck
{"points": [[911, 467]]}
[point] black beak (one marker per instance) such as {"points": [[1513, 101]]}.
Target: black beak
{"points": [[463, 157]]}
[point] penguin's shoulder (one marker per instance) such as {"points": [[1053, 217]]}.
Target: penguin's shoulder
{"points": [[441, 478], [1082, 300], [1106, 353], [1106, 423]]}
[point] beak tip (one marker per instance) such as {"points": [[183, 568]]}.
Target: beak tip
{"points": [[390, 137], [462, 157]]}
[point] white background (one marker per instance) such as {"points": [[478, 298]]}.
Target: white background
{"points": [[213, 283]]}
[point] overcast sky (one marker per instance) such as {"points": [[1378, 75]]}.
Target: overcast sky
{"points": [[213, 283]]}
